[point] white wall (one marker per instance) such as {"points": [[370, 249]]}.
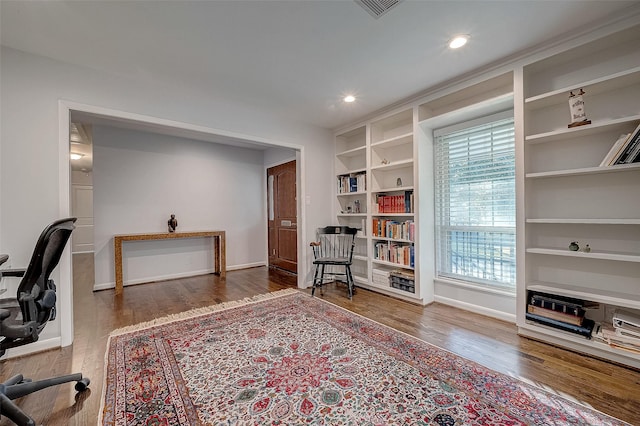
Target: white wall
{"points": [[275, 156], [30, 172], [141, 178]]}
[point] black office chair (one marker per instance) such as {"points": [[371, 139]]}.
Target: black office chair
{"points": [[22, 319], [334, 247]]}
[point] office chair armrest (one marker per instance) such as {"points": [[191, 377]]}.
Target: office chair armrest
{"points": [[12, 272]]}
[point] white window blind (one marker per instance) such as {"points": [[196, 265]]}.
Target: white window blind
{"points": [[475, 201]]}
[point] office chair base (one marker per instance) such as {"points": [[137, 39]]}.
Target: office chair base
{"points": [[19, 386]]}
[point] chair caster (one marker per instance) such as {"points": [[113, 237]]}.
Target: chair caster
{"points": [[82, 384]]}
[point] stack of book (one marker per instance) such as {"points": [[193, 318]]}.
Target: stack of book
{"points": [[623, 332], [625, 150], [564, 313]]}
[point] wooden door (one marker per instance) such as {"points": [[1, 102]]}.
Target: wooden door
{"points": [[282, 217]]}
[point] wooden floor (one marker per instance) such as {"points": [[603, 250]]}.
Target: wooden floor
{"points": [[606, 387]]}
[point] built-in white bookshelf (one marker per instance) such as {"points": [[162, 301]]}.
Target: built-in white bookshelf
{"points": [[569, 197], [384, 149]]}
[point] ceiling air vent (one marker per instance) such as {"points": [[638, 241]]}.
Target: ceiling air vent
{"points": [[377, 8]]}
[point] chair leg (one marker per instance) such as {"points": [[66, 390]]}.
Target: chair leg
{"points": [[13, 413], [322, 280], [349, 281], [315, 280]]}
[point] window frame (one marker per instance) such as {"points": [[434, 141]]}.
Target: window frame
{"points": [[509, 230]]}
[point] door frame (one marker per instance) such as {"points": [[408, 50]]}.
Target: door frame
{"points": [[65, 110]]}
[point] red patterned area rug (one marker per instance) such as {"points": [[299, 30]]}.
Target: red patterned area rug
{"points": [[286, 358]]}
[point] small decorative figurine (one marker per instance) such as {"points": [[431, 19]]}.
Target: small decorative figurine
{"points": [[399, 182], [172, 223], [576, 107], [356, 206], [574, 246], [587, 249], [384, 161]]}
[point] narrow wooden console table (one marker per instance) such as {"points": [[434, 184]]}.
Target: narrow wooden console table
{"points": [[219, 255]]}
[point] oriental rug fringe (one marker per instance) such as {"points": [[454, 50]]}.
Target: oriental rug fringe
{"points": [[286, 358]]}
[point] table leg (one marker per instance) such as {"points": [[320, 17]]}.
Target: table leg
{"points": [[117, 253], [223, 255]]}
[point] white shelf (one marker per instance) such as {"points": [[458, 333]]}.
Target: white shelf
{"points": [[389, 138], [395, 265], [352, 172], [342, 194], [359, 279], [590, 221], [586, 171], [592, 87], [621, 257], [393, 214], [582, 131], [605, 195], [603, 295], [395, 141], [391, 239], [581, 343], [352, 152], [394, 165], [394, 291], [393, 189]]}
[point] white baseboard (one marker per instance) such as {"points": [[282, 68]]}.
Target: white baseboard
{"points": [[477, 309], [39, 346], [246, 266], [83, 252], [107, 286]]}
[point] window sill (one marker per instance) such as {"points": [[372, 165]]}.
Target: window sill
{"points": [[476, 287]]}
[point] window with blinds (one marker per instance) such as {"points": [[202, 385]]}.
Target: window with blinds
{"points": [[475, 201]]}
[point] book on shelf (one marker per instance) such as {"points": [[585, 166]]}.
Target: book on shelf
{"points": [[352, 182], [388, 228], [584, 330], [610, 336], [562, 304], [626, 324], [557, 315], [395, 203], [625, 150], [615, 149]]}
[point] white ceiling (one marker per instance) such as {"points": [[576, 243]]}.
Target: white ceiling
{"points": [[295, 58]]}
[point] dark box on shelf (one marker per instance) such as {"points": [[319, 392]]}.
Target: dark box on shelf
{"points": [[402, 281]]}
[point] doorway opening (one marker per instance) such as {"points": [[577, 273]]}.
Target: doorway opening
{"points": [[71, 112]]}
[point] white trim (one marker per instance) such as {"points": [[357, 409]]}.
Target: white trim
{"points": [[477, 309], [475, 287], [39, 346], [476, 121], [65, 108], [83, 252], [246, 266], [65, 295]]}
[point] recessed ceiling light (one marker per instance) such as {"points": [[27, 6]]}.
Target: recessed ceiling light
{"points": [[458, 41], [75, 156], [349, 98]]}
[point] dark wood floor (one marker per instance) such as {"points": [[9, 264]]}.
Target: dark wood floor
{"points": [[606, 387]]}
